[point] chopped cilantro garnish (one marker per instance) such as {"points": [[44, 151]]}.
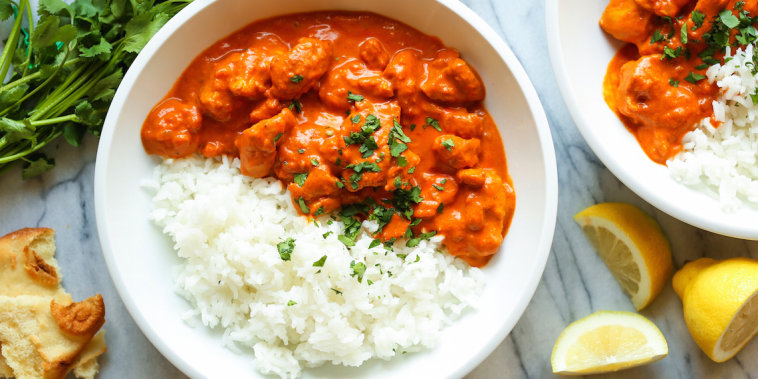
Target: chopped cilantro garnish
{"points": [[694, 78], [285, 248], [683, 33], [401, 161], [754, 96], [319, 211], [438, 187], [369, 281], [412, 170], [301, 151], [327, 233], [728, 19], [697, 18], [448, 144], [320, 262], [423, 236], [300, 178], [347, 241], [440, 208], [669, 53], [338, 292], [296, 78], [656, 37], [673, 83], [374, 243], [356, 119], [296, 106], [291, 303], [303, 207], [278, 136], [433, 123], [358, 270], [351, 97], [339, 184], [701, 66], [314, 162]]}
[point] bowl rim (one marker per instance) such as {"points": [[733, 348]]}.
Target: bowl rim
{"points": [[646, 191], [541, 249]]}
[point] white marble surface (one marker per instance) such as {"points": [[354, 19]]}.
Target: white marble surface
{"points": [[575, 283]]}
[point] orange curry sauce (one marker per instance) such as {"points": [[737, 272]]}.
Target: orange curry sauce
{"points": [[656, 84], [349, 108]]}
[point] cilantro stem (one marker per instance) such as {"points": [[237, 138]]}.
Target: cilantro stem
{"points": [[9, 158], [33, 76], [12, 42], [30, 17], [56, 120]]}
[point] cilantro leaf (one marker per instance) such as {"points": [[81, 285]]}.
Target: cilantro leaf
{"points": [[351, 97], [296, 79], [448, 144], [300, 178], [54, 7], [683, 33], [291, 303], [16, 130], [37, 165], [6, 10], [358, 270], [728, 19], [303, 207], [694, 77], [73, 133], [101, 49], [141, 28], [286, 248], [656, 37], [673, 82], [320, 262], [697, 19], [433, 123]]}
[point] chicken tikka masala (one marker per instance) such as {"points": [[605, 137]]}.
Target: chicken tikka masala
{"points": [[656, 84], [356, 114]]}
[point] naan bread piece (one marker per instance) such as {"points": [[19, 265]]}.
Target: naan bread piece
{"points": [[28, 265], [30, 292], [42, 338]]}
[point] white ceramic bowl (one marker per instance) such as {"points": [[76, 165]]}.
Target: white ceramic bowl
{"points": [[580, 52], [140, 258]]}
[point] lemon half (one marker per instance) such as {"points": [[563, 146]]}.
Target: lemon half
{"points": [[607, 341], [720, 300], [633, 247]]}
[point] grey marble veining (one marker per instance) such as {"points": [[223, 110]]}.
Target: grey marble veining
{"points": [[575, 283]]}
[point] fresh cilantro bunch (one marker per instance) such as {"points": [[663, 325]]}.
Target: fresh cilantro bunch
{"points": [[60, 73]]}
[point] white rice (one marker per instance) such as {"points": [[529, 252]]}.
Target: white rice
{"points": [[226, 227], [721, 159]]}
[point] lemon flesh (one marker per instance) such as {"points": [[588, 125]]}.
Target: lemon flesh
{"points": [[606, 342], [633, 247]]}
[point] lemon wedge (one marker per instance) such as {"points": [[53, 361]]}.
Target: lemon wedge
{"points": [[633, 247], [607, 341], [720, 300]]}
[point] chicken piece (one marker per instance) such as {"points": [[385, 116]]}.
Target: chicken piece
{"points": [[296, 72], [627, 21], [373, 53], [476, 232], [451, 80], [669, 8], [246, 74], [265, 109], [215, 99], [171, 129], [645, 96], [352, 76], [257, 144], [318, 191], [436, 189], [455, 151], [403, 71]]}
